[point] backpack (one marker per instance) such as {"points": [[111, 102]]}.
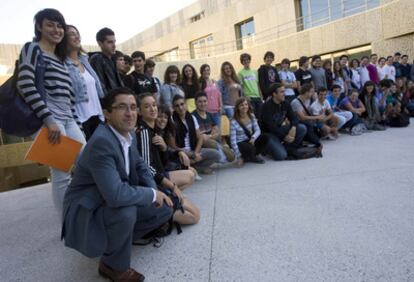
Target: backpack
{"points": [[16, 116], [303, 153]]}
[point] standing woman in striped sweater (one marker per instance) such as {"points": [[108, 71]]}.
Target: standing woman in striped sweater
{"points": [[56, 108]]}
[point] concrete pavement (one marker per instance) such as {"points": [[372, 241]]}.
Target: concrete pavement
{"points": [[346, 217]]}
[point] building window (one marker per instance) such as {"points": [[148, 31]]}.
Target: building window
{"points": [[244, 33], [202, 47], [167, 56], [317, 12], [197, 17]]}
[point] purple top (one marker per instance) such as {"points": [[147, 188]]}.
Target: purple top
{"points": [[346, 100], [373, 73]]}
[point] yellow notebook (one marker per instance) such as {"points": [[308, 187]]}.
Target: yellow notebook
{"points": [[61, 156]]}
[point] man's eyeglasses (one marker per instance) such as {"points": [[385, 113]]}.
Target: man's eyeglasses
{"points": [[125, 107]]}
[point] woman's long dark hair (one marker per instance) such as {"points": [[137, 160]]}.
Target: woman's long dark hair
{"points": [[81, 50], [55, 16], [203, 82], [338, 73], [169, 130], [194, 78], [172, 69], [364, 92]]}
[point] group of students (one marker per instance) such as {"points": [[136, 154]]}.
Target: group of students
{"points": [[167, 133]]}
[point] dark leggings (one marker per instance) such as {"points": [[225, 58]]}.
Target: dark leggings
{"points": [[249, 151]]}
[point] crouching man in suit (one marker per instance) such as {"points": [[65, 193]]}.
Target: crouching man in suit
{"points": [[112, 199]]}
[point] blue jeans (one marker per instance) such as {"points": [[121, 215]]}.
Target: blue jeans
{"points": [[217, 118], [61, 179], [229, 111], [279, 151]]}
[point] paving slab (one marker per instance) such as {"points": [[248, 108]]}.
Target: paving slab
{"points": [[345, 217]]}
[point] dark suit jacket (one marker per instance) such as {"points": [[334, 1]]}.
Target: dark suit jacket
{"points": [[99, 181]]}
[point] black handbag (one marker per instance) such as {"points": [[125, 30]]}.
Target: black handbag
{"points": [[16, 116]]}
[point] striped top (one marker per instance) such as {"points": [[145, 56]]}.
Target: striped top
{"points": [[238, 135], [59, 98]]}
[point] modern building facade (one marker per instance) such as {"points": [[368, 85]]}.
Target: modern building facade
{"points": [[214, 31]]}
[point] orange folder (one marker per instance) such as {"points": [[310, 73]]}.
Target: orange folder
{"points": [[61, 156]]}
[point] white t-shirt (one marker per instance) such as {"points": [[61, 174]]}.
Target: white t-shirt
{"points": [[356, 78], [363, 72], [390, 72], [92, 107], [187, 144], [289, 77], [320, 109], [381, 72]]}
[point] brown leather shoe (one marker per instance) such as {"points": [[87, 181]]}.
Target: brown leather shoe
{"points": [[128, 276]]}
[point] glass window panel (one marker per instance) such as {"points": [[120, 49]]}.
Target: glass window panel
{"points": [[373, 3], [353, 6], [304, 20], [320, 11], [336, 9], [247, 29]]}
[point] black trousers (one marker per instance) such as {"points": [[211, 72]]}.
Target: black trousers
{"points": [[257, 104], [249, 151], [90, 125]]}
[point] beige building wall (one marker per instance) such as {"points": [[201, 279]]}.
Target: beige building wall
{"points": [[387, 29]]}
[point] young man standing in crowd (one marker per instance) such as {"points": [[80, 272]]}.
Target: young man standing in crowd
{"points": [[102, 61], [119, 60], [113, 199], [389, 69], [372, 69], [267, 74], [138, 81], [363, 70], [303, 75], [149, 71], [396, 63], [128, 63], [405, 68], [346, 71], [249, 80], [280, 122], [288, 79], [318, 73]]}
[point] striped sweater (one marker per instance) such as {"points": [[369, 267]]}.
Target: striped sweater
{"points": [[59, 101], [238, 135]]}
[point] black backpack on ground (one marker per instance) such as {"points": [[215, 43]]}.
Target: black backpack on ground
{"points": [[303, 153]]}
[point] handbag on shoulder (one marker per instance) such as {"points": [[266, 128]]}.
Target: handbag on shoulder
{"points": [[16, 116]]}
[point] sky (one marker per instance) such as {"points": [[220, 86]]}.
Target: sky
{"points": [[125, 17]]}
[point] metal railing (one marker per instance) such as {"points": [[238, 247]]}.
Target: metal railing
{"points": [[274, 32]]}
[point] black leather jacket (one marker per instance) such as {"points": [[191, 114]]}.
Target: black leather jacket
{"points": [[105, 68]]}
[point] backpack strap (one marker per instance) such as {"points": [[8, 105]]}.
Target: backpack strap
{"points": [[246, 131], [306, 109]]}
